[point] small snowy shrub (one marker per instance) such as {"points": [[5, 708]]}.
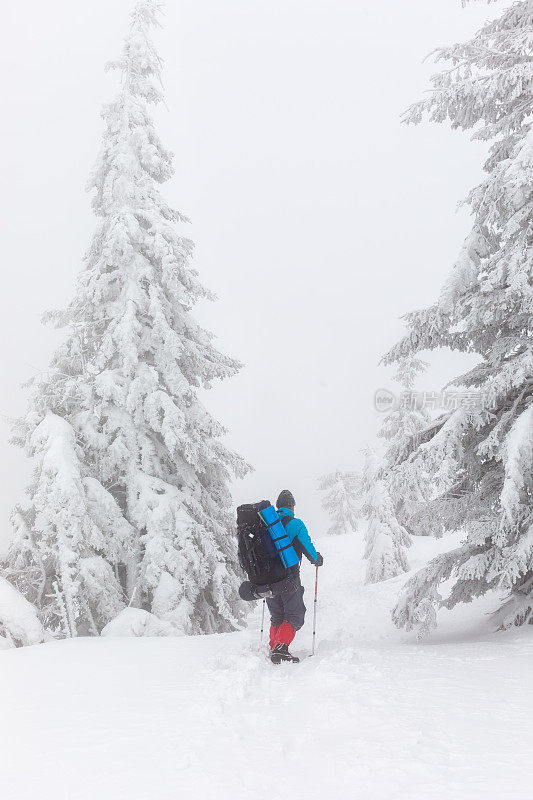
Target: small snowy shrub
{"points": [[136, 622]]}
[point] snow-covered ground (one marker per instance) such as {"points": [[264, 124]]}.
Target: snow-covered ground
{"points": [[373, 715]]}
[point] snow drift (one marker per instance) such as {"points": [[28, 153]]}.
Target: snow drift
{"points": [[19, 624]]}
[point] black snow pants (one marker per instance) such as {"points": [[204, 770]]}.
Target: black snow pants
{"points": [[288, 607]]}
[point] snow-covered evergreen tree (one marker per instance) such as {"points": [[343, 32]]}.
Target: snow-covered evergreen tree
{"points": [[484, 451], [401, 425], [342, 493], [386, 540], [408, 484], [130, 499]]}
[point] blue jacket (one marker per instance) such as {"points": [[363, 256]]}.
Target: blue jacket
{"points": [[299, 536]]}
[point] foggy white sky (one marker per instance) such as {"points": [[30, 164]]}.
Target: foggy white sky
{"points": [[318, 218]]}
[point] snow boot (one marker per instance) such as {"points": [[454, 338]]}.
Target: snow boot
{"points": [[281, 653]]}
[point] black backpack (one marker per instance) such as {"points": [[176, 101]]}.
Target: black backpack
{"points": [[258, 555]]}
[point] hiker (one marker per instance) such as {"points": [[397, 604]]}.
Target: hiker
{"points": [[287, 611]]}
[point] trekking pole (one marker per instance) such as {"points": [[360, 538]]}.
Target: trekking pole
{"points": [[263, 620], [314, 612]]}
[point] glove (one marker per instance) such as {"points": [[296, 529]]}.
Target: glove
{"points": [[319, 560]]}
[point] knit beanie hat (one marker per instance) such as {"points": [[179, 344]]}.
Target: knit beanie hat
{"points": [[285, 500]]}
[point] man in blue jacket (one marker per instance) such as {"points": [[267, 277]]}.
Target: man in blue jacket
{"points": [[287, 611]]}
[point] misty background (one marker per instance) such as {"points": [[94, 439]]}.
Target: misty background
{"points": [[319, 219]]}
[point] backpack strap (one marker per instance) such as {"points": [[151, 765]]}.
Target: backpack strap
{"points": [[295, 543], [284, 521]]}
